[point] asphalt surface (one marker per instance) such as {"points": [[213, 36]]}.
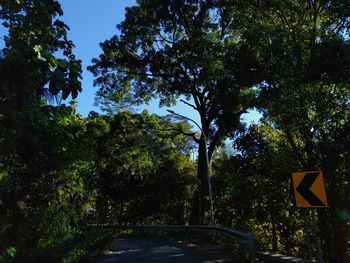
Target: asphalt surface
{"points": [[165, 250]]}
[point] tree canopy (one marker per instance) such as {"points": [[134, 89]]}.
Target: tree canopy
{"points": [[186, 51], [60, 171]]}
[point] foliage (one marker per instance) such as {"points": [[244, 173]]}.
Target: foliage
{"points": [[43, 196], [35, 35], [188, 51], [143, 170], [288, 58], [305, 94], [253, 188], [112, 102]]}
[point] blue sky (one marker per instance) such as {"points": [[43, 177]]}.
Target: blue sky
{"points": [[91, 22]]}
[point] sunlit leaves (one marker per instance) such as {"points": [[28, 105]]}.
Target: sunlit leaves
{"points": [[34, 36]]}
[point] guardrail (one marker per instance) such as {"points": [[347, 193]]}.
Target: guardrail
{"points": [[245, 239], [278, 258]]}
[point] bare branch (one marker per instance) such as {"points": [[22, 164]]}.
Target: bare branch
{"points": [[189, 104], [162, 38]]}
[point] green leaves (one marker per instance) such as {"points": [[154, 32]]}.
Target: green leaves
{"points": [[65, 78], [7, 253], [42, 195], [304, 95], [167, 51], [141, 159], [10, 251], [174, 50], [31, 44]]}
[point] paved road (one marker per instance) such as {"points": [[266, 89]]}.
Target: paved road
{"points": [[165, 250]]}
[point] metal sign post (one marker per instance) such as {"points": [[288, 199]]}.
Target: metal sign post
{"points": [[308, 238], [318, 241], [310, 192]]}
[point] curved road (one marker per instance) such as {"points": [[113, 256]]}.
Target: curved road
{"points": [[165, 250]]}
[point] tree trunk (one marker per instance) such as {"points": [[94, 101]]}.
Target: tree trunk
{"points": [[199, 202]]}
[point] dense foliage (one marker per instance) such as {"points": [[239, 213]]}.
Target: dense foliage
{"points": [[38, 142], [186, 51], [56, 167], [60, 171], [144, 171]]}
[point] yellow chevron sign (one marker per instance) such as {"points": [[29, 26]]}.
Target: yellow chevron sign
{"points": [[309, 189]]}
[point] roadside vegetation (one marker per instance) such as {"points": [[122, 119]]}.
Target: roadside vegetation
{"points": [[60, 171]]}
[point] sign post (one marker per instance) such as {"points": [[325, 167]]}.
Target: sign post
{"points": [[318, 244], [310, 192], [308, 238]]}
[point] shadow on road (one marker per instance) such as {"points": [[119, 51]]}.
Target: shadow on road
{"points": [[165, 250]]}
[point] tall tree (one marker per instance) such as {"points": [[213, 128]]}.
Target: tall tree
{"points": [[304, 50], [184, 50], [37, 141]]}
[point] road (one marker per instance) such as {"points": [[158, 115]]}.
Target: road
{"points": [[165, 250]]}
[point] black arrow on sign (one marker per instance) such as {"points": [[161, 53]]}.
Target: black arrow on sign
{"points": [[304, 189]]}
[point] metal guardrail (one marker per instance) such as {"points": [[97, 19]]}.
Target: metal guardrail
{"points": [[245, 239], [278, 258]]}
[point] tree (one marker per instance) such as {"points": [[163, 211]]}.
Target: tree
{"points": [[254, 191], [28, 60], [112, 102], [37, 141], [43, 193], [188, 51], [143, 170], [304, 51]]}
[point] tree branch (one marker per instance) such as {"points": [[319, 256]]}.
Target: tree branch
{"points": [[191, 134], [189, 104], [214, 142]]}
